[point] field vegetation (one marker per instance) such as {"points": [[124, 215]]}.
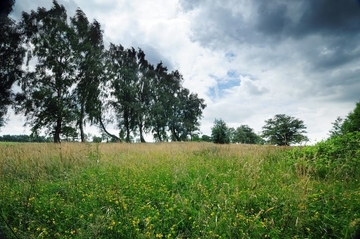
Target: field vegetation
{"points": [[176, 190]]}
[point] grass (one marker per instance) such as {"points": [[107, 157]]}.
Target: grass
{"points": [[170, 190]]}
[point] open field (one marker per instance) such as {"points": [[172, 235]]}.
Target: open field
{"points": [[169, 190]]}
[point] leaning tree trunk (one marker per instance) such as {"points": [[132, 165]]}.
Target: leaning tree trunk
{"points": [[142, 140], [111, 135]]}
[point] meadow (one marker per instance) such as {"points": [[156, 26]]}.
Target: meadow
{"points": [[171, 190]]}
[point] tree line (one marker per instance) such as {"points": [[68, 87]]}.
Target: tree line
{"points": [[72, 80], [281, 130], [284, 130]]}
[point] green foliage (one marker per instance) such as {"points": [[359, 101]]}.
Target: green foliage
{"points": [[206, 138], [284, 130], [88, 53], [245, 135], [76, 81], [11, 57], [220, 132], [337, 158], [352, 121], [46, 99], [96, 139], [337, 129], [23, 138], [148, 99]]}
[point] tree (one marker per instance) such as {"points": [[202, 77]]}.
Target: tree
{"points": [[163, 95], [352, 121], [220, 132], [246, 135], [88, 51], [143, 99], [121, 68], [97, 139], [46, 98], [284, 130], [206, 138], [337, 127], [186, 114], [11, 57]]}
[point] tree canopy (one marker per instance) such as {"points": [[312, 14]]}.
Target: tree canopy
{"points": [[245, 135], [11, 57], [351, 123], [284, 130], [220, 132]]}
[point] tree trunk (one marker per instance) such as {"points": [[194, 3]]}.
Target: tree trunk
{"points": [[57, 131], [81, 124], [111, 135], [142, 140], [177, 138], [59, 117]]}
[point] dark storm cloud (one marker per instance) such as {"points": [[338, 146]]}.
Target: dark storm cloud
{"points": [[271, 18], [329, 17], [276, 18], [323, 34]]}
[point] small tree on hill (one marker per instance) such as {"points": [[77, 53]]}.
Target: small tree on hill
{"points": [[246, 135], [220, 132], [284, 130]]}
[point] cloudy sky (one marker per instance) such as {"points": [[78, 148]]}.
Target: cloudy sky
{"points": [[249, 59]]}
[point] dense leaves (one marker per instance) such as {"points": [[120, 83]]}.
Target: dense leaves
{"points": [[245, 135], [220, 132], [284, 130], [11, 57], [351, 123], [46, 100]]}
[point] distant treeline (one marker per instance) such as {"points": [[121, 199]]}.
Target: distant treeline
{"points": [[24, 138]]}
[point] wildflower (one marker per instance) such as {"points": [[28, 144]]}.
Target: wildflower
{"points": [[159, 235]]}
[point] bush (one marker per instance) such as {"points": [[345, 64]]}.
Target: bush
{"points": [[338, 157]]}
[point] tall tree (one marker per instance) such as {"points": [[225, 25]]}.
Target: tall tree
{"points": [[220, 132], [160, 107], [11, 56], [143, 88], [46, 99], [284, 130], [88, 50], [187, 112], [122, 73], [167, 92]]}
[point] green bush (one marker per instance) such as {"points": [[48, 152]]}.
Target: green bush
{"points": [[338, 157]]}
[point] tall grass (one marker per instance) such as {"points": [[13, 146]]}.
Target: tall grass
{"points": [[170, 190]]}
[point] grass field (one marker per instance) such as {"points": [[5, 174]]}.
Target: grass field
{"points": [[170, 190]]}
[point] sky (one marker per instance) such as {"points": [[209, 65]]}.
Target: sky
{"points": [[248, 59]]}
